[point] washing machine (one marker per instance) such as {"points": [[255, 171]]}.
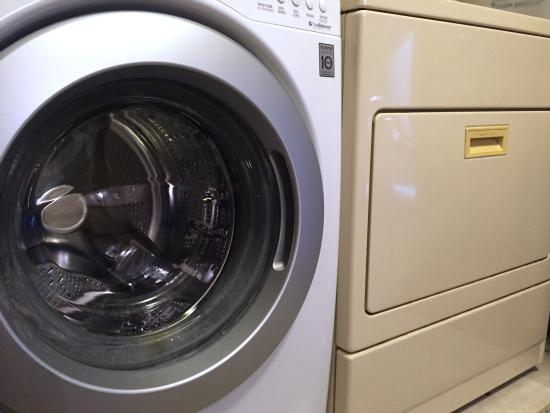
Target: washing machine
{"points": [[443, 288], [170, 177]]}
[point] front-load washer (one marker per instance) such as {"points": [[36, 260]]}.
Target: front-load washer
{"points": [[169, 186]]}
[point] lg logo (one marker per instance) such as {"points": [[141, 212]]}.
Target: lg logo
{"points": [[326, 62]]}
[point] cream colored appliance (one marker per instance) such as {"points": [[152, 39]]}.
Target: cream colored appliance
{"points": [[444, 288]]}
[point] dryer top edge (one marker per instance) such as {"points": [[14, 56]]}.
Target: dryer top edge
{"points": [[456, 12]]}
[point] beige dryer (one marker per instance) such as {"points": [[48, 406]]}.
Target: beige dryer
{"points": [[443, 287]]}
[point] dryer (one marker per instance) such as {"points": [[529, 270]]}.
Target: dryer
{"points": [[443, 288], [170, 196]]}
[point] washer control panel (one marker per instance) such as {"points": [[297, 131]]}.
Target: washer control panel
{"points": [[321, 16]]}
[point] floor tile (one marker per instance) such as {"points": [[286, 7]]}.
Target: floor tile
{"points": [[526, 394]]}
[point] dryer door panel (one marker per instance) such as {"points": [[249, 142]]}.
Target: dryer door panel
{"points": [[440, 219]]}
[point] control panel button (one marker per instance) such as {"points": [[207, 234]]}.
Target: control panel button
{"points": [[323, 5], [281, 1], [310, 4], [296, 2]]}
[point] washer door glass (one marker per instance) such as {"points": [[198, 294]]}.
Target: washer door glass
{"points": [[146, 224]]}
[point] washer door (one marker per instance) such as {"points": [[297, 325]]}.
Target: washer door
{"points": [[162, 203]]}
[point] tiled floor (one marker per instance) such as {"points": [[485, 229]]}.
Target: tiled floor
{"points": [[528, 393]]}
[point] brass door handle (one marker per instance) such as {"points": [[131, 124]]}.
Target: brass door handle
{"points": [[482, 141]]}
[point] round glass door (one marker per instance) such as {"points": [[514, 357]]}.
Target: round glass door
{"points": [[147, 217]]}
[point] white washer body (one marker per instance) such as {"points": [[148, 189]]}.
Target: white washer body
{"points": [[295, 377]]}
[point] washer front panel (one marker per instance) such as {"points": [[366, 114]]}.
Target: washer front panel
{"points": [[36, 70]]}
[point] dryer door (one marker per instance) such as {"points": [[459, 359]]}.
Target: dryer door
{"points": [[162, 203]]}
